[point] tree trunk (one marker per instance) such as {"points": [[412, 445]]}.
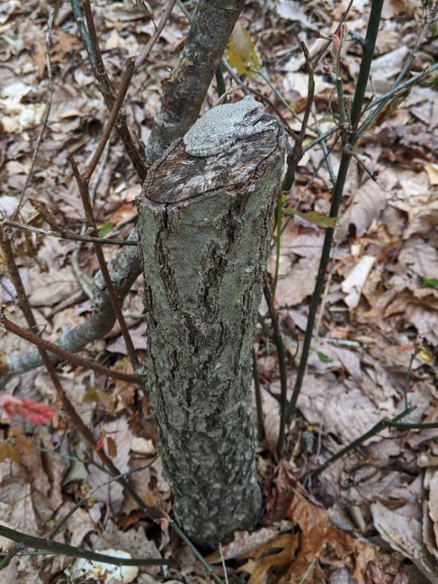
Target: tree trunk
{"points": [[204, 229], [185, 89]]}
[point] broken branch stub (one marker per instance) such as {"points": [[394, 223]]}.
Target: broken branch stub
{"points": [[204, 230]]}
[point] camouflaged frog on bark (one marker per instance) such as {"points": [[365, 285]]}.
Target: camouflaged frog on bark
{"points": [[223, 126]]}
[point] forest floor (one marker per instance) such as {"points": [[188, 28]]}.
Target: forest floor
{"points": [[371, 515]]}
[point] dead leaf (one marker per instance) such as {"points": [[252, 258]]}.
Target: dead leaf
{"points": [[271, 558]]}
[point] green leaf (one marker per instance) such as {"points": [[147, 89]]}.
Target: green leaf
{"points": [[105, 229], [316, 218], [429, 283], [324, 357], [240, 52]]}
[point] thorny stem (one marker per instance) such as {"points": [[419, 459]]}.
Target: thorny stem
{"points": [[367, 55]]}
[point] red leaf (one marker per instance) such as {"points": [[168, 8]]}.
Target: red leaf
{"points": [[36, 413]]}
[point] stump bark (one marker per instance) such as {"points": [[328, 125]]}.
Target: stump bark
{"points": [[204, 230]]}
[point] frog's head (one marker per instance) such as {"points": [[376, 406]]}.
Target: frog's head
{"points": [[252, 110]]}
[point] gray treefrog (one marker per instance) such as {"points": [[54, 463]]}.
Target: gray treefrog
{"points": [[222, 126]]}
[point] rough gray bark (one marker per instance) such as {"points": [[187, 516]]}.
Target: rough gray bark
{"points": [[204, 229], [185, 89]]}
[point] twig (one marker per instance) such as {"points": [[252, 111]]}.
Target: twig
{"points": [[405, 69], [71, 551], [297, 153], [329, 42], [108, 91], [74, 258], [36, 340], [75, 419], [258, 396], [124, 270], [385, 423], [79, 19], [82, 183], [367, 55], [280, 200], [278, 341], [81, 502], [224, 567], [64, 234], [382, 101], [131, 68], [46, 113], [158, 30], [124, 86]]}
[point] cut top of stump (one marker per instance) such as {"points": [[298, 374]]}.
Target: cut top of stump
{"points": [[250, 147]]}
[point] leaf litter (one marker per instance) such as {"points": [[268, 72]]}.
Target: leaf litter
{"points": [[357, 369]]}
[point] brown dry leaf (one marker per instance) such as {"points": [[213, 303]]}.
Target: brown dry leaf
{"points": [[322, 541], [423, 217], [30, 491], [280, 494], [406, 6], [385, 68], [341, 409], [78, 525], [270, 559], [245, 541], [14, 446], [53, 288], [387, 41], [305, 241], [425, 321], [421, 256], [112, 493], [64, 45], [297, 282], [405, 535], [365, 207], [34, 41]]}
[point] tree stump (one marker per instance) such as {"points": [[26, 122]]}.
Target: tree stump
{"points": [[204, 229]]}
